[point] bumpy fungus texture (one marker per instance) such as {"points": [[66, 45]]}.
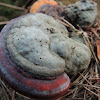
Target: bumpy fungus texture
{"points": [[44, 48], [29, 44], [35, 50], [38, 4], [83, 13]]}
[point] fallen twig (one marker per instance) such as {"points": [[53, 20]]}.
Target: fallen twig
{"points": [[84, 95], [5, 92], [85, 85], [11, 6], [92, 92], [4, 22], [94, 79], [2, 84]]}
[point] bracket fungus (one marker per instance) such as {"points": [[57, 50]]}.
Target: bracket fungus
{"points": [[83, 13], [38, 4], [35, 50]]}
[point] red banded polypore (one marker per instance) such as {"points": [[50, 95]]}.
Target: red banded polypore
{"points": [[30, 80]]}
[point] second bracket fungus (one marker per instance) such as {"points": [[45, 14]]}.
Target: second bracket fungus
{"points": [[83, 13]]}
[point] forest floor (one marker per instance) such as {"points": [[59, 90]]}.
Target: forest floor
{"points": [[85, 85]]}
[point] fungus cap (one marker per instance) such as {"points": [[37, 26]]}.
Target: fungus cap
{"points": [[29, 44], [84, 13], [40, 45], [22, 79], [35, 7]]}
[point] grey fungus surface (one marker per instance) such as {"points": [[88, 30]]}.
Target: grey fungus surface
{"points": [[40, 45], [76, 55], [83, 13], [28, 42]]}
